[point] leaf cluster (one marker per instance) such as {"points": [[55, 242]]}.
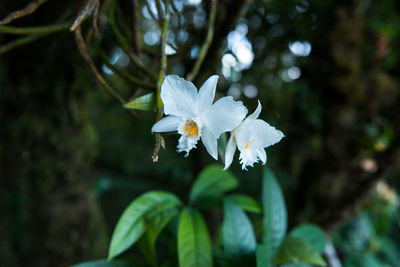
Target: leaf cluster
{"points": [[148, 215]]}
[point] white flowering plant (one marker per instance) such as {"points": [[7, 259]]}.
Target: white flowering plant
{"points": [[194, 116], [198, 115]]}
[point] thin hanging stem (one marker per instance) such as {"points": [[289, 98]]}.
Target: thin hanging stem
{"points": [[34, 34], [85, 54], [126, 47], [136, 28], [19, 42], [207, 42], [159, 140], [34, 30], [132, 79]]}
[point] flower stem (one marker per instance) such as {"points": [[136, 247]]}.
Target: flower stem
{"points": [[161, 76]]}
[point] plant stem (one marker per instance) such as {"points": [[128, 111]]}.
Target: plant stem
{"points": [[161, 75], [136, 28], [35, 33], [19, 42], [85, 53], [126, 47], [29, 9], [89, 7], [34, 30], [135, 81], [207, 42]]}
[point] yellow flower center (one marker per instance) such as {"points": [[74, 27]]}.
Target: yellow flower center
{"points": [[191, 128], [248, 143]]}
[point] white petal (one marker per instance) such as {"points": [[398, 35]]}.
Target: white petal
{"points": [[258, 132], [167, 124], [256, 113], [179, 97], [230, 152], [210, 142], [248, 157], [245, 133], [262, 155], [267, 134], [224, 116], [207, 93], [186, 143]]}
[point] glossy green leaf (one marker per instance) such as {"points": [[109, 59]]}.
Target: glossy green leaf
{"points": [[263, 256], [312, 234], [103, 263], [212, 182], [194, 244], [246, 203], [294, 250], [299, 264], [390, 251], [154, 225], [132, 225], [275, 216], [238, 235], [144, 102]]}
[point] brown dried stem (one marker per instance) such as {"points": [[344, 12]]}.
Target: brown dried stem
{"points": [[89, 7], [29, 9]]}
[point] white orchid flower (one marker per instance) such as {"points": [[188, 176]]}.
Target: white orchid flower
{"points": [[251, 137], [193, 114]]}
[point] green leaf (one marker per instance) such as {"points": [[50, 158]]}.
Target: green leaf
{"points": [[131, 225], [154, 225], [310, 233], [247, 203], [103, 263], [144, 102], [299, 264], [212, 182], [275, 216], [389, 251], [194, 244], [263, 256], [238, 235], [294, 250]]}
